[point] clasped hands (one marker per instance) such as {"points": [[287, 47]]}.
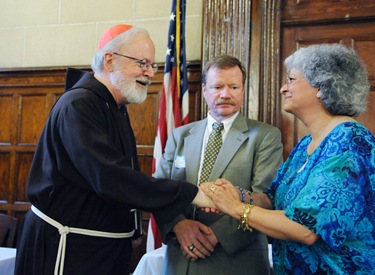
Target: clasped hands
{"points": [[196, 239], [220, 196]]}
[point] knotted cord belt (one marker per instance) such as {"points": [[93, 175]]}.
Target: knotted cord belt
{"points": [[65, 230]]}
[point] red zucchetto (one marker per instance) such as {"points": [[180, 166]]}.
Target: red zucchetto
{"points": [[112, 33]]}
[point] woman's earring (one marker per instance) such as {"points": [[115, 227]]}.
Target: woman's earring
{"points": [[319, 94]]}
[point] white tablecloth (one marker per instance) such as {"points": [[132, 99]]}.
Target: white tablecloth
{"points": [[7, 260], [151, 263]]}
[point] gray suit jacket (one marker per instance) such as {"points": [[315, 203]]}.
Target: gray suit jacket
{"points": [[250, 156]]}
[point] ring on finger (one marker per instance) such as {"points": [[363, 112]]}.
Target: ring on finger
{"points": [[191, 247], [213, 188]]}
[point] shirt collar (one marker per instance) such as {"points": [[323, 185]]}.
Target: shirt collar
{"points": [[227, 122]]}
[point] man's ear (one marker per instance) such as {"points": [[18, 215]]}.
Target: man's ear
{"points": [[108, 62], [203, 87]]}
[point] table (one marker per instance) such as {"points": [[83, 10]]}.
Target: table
{"points": [[151, 263], [7, 260]]}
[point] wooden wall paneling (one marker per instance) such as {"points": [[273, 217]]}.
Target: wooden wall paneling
{"points": [[304, 11], [365, 46], [26, 96], [195, 90], [227, 30], [248, 30], [368, 118], [6, 109], [5, 190], [269, 44], [31, 118]]}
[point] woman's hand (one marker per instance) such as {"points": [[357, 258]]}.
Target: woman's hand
{"points": [[224, 195]]}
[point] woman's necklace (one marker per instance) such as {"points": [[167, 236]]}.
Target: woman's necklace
{"points": [[312, 147], [304, 165]]}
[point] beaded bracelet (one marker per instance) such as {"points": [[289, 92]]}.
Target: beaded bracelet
{"points": [[250, 193], [242, 193], [244, 218]]}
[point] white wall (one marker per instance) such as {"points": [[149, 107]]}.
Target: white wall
{"points": [[35, 33]]}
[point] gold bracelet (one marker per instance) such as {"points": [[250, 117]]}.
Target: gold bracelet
{"points": [[244, 218]]}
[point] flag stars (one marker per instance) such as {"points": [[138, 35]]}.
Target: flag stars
{"points": [[168, 51], [172, 16], [172, 37]]}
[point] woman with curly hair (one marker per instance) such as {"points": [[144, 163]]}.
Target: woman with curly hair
{"points": [[320, 208]]}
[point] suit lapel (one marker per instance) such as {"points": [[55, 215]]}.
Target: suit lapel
{"points": [[233, 141]]}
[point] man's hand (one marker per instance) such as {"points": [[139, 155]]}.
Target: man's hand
{"points": [[194, 235], [203, 200], [204, 186]]}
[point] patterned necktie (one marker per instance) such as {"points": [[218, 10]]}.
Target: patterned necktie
{"points": [[212, 149]]}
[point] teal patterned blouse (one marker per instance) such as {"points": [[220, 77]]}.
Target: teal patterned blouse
{"points": [[331, 192]]}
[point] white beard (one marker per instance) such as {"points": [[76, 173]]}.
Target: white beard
{"points": [[128, 88]]}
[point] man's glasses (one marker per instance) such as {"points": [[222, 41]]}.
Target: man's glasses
{"points": [[143, 64]]}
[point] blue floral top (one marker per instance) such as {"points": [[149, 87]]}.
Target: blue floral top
{"points": [[331, 192]]}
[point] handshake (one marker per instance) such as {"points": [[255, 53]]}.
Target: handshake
{"points": [[197, 240], [219, 196]]}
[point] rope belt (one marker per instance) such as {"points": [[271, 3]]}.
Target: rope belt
{"points": [[65, 230]]}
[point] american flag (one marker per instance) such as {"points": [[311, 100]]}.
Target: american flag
{"points": [[174, 101]]}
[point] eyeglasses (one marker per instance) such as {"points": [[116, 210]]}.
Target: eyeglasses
{"points": [[143, 63], [289, 80]]}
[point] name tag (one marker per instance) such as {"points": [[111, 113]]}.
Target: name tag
{"points": [[179, 162]]}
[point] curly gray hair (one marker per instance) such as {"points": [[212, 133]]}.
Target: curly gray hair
{"points": [[337, 72]]}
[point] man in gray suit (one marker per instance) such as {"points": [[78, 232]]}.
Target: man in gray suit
{"points": [[251, 152]]}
